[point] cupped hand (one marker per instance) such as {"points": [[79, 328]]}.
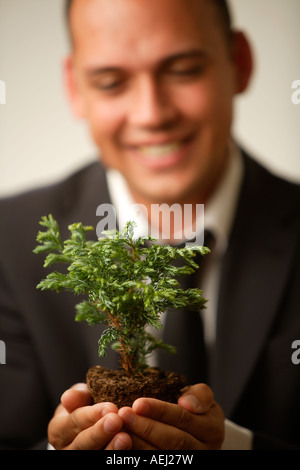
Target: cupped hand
{"points": [[195, 423], [79, 425]]}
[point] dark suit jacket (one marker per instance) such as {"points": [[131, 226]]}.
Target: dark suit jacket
{"points": [[254, 378]]}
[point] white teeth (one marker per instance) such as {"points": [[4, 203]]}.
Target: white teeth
{"points": [[158, 151]]}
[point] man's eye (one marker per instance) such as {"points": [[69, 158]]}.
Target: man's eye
{"points": [[186, 71], [108, 83]]}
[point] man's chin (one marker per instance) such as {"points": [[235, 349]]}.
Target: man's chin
{"points": [[169, 194]]}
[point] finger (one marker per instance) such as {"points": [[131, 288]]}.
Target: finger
{"points": [[64, 426], [99, 435], [140, 444], [157, 434], [121, 441], [168, 413], [200, 426], [76, 397], [197, 399]]}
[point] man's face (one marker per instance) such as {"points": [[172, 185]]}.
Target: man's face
{"points": [[155, 81]]}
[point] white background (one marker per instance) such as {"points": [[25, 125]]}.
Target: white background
{"points": [[40, 141]]}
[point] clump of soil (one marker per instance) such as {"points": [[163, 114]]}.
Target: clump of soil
{"points": [[117, 387]]}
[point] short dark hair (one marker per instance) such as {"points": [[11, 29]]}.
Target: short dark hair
{"points": [[68, 7], [224, 13], [221, 5]]}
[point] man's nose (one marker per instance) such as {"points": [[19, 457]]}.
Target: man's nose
{"points": [[152, 106]]}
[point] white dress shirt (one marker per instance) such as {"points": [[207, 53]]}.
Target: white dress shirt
{"points": [[219, 214]]}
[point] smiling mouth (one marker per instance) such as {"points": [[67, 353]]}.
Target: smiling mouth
{"points": [[159, 151], [162, 152]]}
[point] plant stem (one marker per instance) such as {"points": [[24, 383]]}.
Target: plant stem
{"points": [[124, 354]]}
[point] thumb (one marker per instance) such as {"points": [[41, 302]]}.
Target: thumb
{"points": [[197, 399], [75, 397]]}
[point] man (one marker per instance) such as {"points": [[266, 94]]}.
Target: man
{"points": [[156, 81]]}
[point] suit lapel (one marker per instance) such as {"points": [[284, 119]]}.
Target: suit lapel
{"points": [[254, 274]]}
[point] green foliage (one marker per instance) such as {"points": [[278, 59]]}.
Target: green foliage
{"points": [[128, 283]]}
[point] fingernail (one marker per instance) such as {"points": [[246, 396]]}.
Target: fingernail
{"points": [[192, 401], [185, 389], [111, 425], [120, 445], [129, 418], [80, 386], [104, 408]]}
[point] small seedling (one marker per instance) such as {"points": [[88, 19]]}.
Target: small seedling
{"points": [[128, 283]]}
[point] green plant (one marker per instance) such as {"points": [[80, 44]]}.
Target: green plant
{"points": [[128, 282]]}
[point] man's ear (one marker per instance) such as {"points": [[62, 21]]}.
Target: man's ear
{"points": [[72, 88], [243, 61]]}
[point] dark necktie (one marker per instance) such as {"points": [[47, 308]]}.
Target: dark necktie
{"points": [[183, 329]]}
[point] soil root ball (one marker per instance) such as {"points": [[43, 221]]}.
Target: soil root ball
{"points": [[117, 387]]}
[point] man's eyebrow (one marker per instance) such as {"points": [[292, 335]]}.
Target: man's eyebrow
{"points": [[165, 61], [185, 55], [95, 71]]}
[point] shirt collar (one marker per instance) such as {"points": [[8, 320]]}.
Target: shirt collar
{"points": [[219, 212], [221, 207]]}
